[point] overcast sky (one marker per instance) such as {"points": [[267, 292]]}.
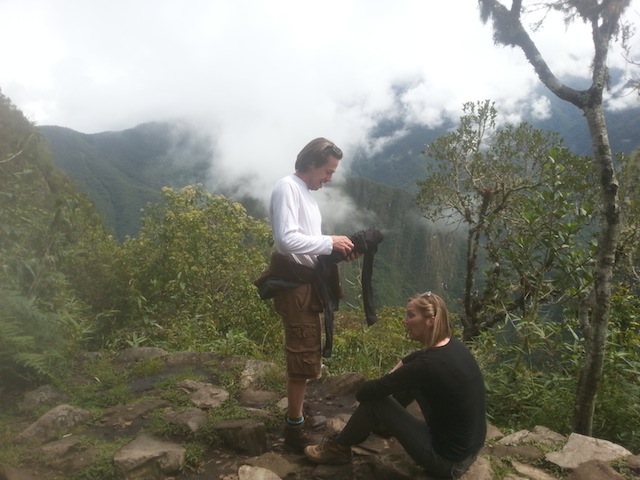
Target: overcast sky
{"points": [[265, 76]]}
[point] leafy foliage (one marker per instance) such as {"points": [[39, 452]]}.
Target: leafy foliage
{"points": [[370, 350], [607, 26], [531, 247], [40, 320], [186, 284], [526, 207], [531, 370], [628, 254], [191, 270]]}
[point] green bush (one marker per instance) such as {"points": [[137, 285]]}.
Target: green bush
{"points": [[371, 350], [190, 272], [531, 371]]}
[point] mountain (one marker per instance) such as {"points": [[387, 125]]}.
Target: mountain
{"points": [[124, 171], [401, 162]]}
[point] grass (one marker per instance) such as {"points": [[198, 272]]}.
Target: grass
{"points": [[98, 385]]}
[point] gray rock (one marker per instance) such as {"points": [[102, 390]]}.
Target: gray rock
{"points": [[204, 395], [274, 462], [256, 398], [525, 451], [122, 416], [316, 421], [59, 448], [248, 472], [396, 467], [515, 438], [493, 433], [594, 470], [193, 418], [69, 454], [337, 423], [541, 435], [283, 404], [531, 472], [149, 459], [265, 415], [10, 473], [545, 436], [139, 354], [46, 395], [633, 462], [580, 449], [345, 384], [480, 470], [254, 373], [53, 424], [246, 435]]}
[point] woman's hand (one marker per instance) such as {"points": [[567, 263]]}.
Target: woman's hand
{"points": [[400, 364]]}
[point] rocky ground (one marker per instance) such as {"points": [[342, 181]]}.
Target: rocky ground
{"points": [[188, 416]]}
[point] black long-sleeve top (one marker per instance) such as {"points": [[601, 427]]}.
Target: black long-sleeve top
{"points": [[447, 384]]}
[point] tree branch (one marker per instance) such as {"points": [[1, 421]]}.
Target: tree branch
{"points": [[18, 153], [509, 31]]}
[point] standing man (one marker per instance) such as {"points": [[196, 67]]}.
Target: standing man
{"points": [[296, 222]]}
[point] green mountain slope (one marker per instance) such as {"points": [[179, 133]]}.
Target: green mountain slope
{"points": [[400, 162], [415, 256], [124, 171]]}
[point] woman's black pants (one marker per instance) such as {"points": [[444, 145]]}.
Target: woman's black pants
{"points": [[413, 434]]}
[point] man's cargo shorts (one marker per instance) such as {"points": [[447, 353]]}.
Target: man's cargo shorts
{"points": [[300, 309]]}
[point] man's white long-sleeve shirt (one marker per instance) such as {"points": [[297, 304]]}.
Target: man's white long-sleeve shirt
{"points": [[296, 222]]}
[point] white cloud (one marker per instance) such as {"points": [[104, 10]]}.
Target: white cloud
{"points": [[263, 78]]}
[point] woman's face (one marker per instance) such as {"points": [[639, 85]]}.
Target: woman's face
{"points": [[417, 324]]}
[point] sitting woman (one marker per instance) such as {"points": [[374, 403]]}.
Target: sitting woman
{"points": [[443, 378]]}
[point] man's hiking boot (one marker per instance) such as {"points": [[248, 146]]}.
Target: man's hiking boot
{"points": [[329, 452], [296, 438]]}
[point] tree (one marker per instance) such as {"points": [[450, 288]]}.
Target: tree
{"points": [[191, 271], [628, 254], [514, 189], [604, 17], [41, 322]]}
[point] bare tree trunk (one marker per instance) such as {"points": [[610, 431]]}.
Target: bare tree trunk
{"points": [[594, 317], [470, 318]]}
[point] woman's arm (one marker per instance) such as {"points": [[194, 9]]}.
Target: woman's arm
{"points": [[404, 377], [399, 364]]}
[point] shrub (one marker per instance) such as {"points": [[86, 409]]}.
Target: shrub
{"points": [[191, 269]]}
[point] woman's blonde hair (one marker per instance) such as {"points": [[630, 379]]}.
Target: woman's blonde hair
{"points": [[432, 305]]}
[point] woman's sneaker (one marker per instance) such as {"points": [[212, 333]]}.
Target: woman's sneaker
{"points": [[329, 452]]}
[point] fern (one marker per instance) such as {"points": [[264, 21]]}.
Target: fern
{"points": [[36, 362], [27, 338]]}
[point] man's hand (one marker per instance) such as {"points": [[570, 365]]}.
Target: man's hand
{"points": [[352, 256], [343, 245]]}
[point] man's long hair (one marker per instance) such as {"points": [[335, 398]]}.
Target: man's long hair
{"points": [[316, 153]]}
